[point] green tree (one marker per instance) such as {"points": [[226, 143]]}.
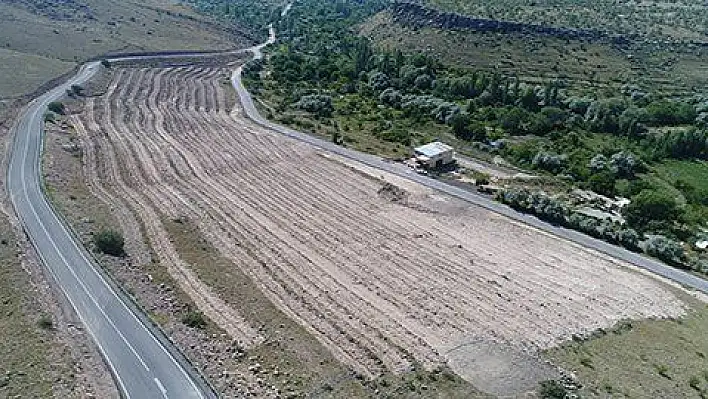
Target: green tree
{"points": [[652, 205], [110, 242], [460, 125], [603, 183], [57, 107]]}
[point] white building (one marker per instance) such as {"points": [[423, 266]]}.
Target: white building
{"points": [[434, 155]]}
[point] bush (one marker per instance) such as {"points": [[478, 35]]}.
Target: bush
{"points": [[602, 183], [57, 107], [670, 113], [45, 322], [548, 161], [665, 249], [538, 203], [391, 97], [624, 164], [77, 90], [378, 80], [651, 206], [552, 389], [194, 319], [110, 242], [319, 104]]}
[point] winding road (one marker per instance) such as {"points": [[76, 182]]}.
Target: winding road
{"points": [[143, 362], [686, 279]]}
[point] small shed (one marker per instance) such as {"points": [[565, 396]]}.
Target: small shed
{"points": [[434, 155]]}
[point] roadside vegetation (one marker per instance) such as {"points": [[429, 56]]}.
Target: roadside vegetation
{"points": [[618, 141], [110, 242], [31, 362]]}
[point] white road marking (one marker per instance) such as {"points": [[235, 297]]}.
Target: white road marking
{"points": [[80, 78], [160, 386]]}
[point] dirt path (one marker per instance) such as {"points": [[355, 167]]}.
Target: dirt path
{"points": [[383, 285]]}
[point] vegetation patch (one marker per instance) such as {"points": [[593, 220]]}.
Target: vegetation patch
{"points": [[27, 365], [110, 242], [651, 358]]}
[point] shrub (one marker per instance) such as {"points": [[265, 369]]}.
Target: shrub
{"points": [[110, 242], [548, 161], [45, 322], [423, 82], [624, 164], [552, 389], [665, 249], [391, 97], [57, 107], [671, 113], [194, 319], [378, 80], [319, 104], [651, 205], [77, 90], [603, 183]]}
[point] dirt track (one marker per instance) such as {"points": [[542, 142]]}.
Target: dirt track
{"points": [[382, 284]]}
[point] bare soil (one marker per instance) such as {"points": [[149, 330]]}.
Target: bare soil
{"points": [[385, 286]]}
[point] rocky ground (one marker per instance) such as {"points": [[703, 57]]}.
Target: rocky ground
{"points": [[386, 277]]}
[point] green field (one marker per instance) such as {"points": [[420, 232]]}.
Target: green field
{"points": [[643, 359]]}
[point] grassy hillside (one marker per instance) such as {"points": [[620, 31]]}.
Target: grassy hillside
{"points": [[48, 37], [657, 359], [666, 59], [676, 20]]}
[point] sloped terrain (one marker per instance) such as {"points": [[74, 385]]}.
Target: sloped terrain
{"points": [[50, 36], [383, 284]]}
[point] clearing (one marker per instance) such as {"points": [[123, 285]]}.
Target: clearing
{"points": [[385, 278]]}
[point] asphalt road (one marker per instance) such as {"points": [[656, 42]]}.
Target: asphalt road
{"points": [[144, 364], [655, 266]]}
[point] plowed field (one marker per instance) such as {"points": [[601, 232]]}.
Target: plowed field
{"points": [[383, 278]]}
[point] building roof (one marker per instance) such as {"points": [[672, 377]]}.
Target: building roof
{"points": [[433, 149]]}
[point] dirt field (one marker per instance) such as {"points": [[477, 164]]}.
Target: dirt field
{"points": [[385, 278]]}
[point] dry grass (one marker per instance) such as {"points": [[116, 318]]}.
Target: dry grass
{"points": [[384, 287], [60, 36], [291, 349], [22, 73], [588, 66], [25, 347], [657, 359]]}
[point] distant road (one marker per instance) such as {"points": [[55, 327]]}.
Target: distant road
{"points": [[143, 363], [400, 170]]}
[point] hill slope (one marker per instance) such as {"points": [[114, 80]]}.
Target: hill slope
{"points": [[45, 38]]}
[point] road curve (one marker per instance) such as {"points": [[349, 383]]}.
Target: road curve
{"points": [[654, 266], [143, 363]]}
